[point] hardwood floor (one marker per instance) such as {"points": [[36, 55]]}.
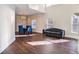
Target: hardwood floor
{"points": [[21, 47]]}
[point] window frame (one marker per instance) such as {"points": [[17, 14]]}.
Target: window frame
{"points": [[72, 30]]}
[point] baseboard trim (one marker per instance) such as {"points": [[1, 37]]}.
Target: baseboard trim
{"points": [[7, 46], [70, 38]]}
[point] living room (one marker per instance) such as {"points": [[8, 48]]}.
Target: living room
{"points": [[52, 14], [58, 16]]}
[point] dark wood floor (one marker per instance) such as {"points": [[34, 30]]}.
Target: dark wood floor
{"points": [[18, 33], [21, 47]]}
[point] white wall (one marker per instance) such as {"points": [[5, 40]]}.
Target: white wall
{"points": [[61, 16], [7, 26]]}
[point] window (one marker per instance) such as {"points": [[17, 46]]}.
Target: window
{"points": [[75, 24], [34, 23]]}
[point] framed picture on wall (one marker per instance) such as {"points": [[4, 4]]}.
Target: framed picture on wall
{"points": [[25, 17], [49, 23], [18, 17]]}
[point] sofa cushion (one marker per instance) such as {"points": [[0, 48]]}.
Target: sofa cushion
{"points": [[54, 29], [53, 32]]}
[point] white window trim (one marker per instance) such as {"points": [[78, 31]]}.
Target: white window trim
{"points": [[72, 26]]}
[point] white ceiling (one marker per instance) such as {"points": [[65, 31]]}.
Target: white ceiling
{"points": [[23, 9], [49, 5]]}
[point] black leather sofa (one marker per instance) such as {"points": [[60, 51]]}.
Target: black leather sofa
{"points": [[54, 32]]}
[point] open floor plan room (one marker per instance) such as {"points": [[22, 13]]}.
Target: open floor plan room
{"points": [[39, 28]]}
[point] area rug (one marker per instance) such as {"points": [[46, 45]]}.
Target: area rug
{"points": [[39, 42], [47, 42], [59, 41], [25, 35]]}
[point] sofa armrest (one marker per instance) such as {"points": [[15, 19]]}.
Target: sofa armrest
{"points": [[63, 33], [43, 31]]}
